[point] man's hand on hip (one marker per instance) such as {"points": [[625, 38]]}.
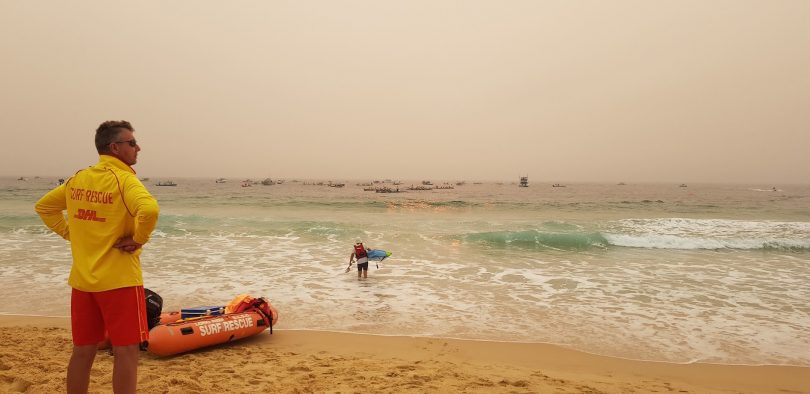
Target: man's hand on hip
{"points": [[127, 244]]}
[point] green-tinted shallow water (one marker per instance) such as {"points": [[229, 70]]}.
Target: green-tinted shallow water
{"points": [[715, 273]]}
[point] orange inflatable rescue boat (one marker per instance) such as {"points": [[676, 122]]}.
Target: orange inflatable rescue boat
{"points": [[245, 316]]}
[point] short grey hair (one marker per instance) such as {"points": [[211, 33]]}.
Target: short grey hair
{"points": [[107, 133]]}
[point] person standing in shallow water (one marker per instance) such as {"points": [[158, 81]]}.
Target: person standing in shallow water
{"points": [[360, 253], [110, 216]]}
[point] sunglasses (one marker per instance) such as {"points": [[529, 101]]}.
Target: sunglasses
{"points": [[131, 142]]}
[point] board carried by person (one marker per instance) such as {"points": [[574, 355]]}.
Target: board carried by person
{"points": [[363, 255]]}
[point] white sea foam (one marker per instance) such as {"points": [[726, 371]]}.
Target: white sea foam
{"points": [[679, 233]]}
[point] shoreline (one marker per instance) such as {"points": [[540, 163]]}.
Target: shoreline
{"points": [[10, 319], [557, 345], [36, 350]]}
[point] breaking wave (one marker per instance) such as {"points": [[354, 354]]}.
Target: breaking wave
{"points": [[667, 233], [533, 239]]}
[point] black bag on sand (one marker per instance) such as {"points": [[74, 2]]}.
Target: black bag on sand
{"points": [[154, 306]]}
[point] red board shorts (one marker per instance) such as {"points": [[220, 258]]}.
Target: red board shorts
{"points": [[120, 313]]}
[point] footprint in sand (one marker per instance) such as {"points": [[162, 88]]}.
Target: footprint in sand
{"points": [[19, 385], [517, 383]]}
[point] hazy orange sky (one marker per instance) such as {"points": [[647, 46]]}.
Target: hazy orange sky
{"points": [[635, 91]]}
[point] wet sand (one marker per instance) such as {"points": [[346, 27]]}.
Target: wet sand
{"points": [[35, 352]]}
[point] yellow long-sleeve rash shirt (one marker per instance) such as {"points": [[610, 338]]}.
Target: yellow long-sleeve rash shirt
{"points": [[104, 203]]}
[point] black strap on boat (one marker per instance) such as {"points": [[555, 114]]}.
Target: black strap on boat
{"points": [[256, 307], [269, 319]]}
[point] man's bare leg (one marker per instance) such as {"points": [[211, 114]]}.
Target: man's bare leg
{"points": [[78, 372], [125, 369]]}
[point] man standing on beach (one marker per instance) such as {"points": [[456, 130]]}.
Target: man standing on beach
{"points": [[110, 215]]}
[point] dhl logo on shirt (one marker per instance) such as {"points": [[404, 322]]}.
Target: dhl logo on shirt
{"points": [[88, 214]]}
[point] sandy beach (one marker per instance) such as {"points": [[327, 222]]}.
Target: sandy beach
{"points": [[35, 352]]}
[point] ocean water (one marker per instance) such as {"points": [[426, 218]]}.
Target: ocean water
{"points": [[710, 273]]}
